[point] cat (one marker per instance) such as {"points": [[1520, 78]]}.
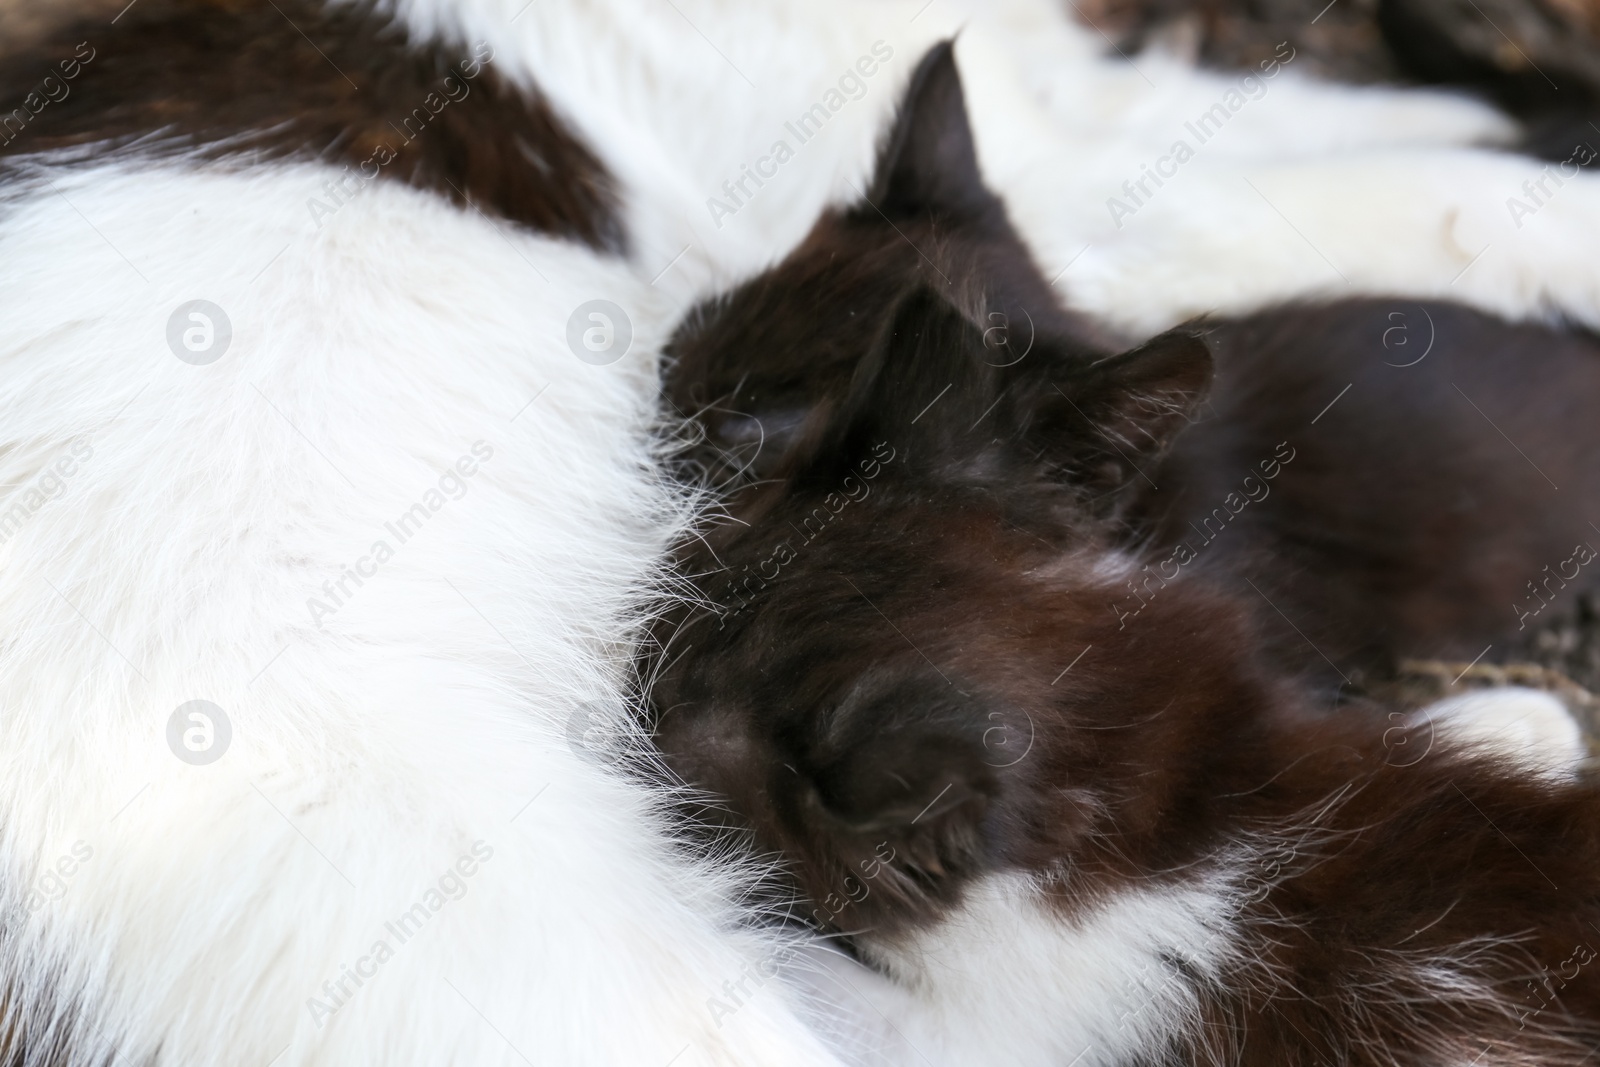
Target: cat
{"points": [[332, 456], [1533, 58], [333, 508], [1438, 502], [1068, 829]]}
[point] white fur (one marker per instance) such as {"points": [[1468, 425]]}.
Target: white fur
{"points": [[431, 709], [1383, 186], [1526, 725], [1006, 980]]}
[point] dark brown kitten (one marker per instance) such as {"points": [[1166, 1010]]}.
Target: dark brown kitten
{"points": [[1441, 498], [916, 665]]}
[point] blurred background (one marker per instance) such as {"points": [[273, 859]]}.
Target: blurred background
{"points": [[1538, 59]]}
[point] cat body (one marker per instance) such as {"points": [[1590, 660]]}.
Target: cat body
{"points": [[327, 542], [1432, 476], [1067, 822], [308, 419]]}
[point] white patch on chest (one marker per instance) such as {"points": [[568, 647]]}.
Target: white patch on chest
{"points": [[1006, 980]]}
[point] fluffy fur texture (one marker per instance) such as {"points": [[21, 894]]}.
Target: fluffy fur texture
{"points": [[1110, 834], [1385, 188], [1527, 724], [1534, 57], [1436, 497], [433, 708], [209, 81], [430, 718]]}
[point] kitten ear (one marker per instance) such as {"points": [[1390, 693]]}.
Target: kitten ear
{"points": [[1106, 425], [929, 385], [922, 385], [929, 165], [922, 381]]}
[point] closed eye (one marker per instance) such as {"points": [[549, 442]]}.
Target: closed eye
{"points": [[759, 441]]}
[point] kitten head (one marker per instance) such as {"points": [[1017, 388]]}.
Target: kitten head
{"points": [[927, 461]]}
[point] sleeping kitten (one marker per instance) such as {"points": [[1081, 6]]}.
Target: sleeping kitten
{"points": [[1385, 409], [1437, 496], [279, 276], [1069, 829]]}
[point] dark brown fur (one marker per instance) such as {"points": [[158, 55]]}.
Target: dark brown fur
{"points": [[1538, 59], [296, 79], [1427, 511], [911, 672]]}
